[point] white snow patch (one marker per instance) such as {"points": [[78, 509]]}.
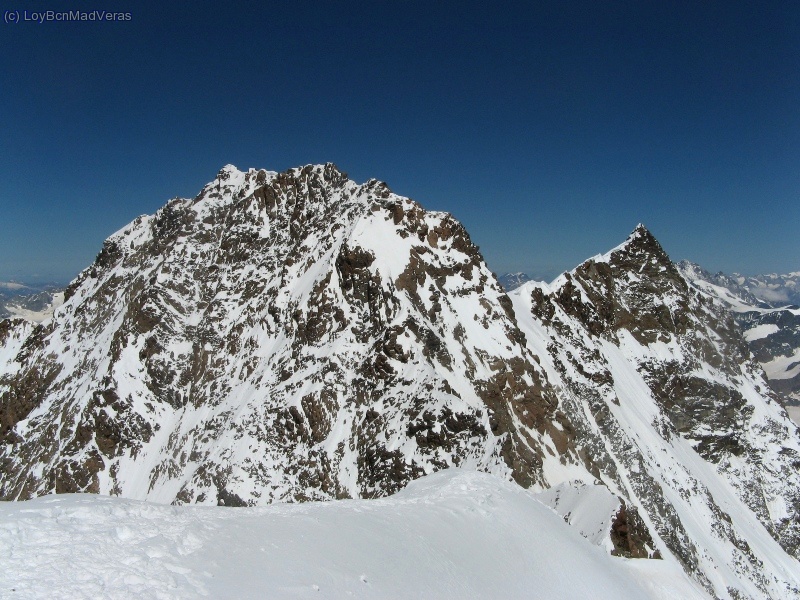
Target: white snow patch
{"points": [[783, 367], [761, 331], [454, 534], [794, 413], [589, 508]]}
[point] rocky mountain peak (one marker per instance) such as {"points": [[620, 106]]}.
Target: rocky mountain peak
{"points": [[630, 341], [641, 250], [360, 339], [633, 287], [298, 336]]}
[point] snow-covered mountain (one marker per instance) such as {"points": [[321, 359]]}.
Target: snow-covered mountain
{"points": [[674, 409], [744, 292], [511, 281], [775, 289], [297, 336], [286, 336], [767, 308]]}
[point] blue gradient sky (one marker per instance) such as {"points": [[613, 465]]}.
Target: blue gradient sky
{"points": [[549, 130]]}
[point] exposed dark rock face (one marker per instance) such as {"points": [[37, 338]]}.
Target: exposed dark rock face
{"points": [[630, 535], [296, 336]]}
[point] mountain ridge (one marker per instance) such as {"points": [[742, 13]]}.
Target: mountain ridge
{"points": [[771, 327], [297, 336]]}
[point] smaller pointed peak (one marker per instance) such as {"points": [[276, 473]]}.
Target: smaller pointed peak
{"points": [[641, 238], [644, 244], [640, 231], [640, 243], [334, 173]]}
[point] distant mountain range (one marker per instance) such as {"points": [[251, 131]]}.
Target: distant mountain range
{"points": [[743, 292], [296, 336], [511, 281], [28, 301], [767, 308]]}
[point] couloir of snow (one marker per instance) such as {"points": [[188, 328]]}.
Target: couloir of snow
{"points": [[453, 534]]}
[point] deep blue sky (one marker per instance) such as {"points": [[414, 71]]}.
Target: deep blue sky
{"points": [[550, 129]]}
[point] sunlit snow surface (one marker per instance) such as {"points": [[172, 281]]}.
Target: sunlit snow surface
{"points": [[454, 534]]}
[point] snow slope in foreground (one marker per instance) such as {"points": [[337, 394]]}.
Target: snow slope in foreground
{"points": [[454, 534]]}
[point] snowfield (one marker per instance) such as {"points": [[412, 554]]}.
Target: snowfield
{"points": [[453, 534]]}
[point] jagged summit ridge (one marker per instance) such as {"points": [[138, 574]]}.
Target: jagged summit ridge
{"points": [[640, 245], [282, 336], [298, 336]]}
